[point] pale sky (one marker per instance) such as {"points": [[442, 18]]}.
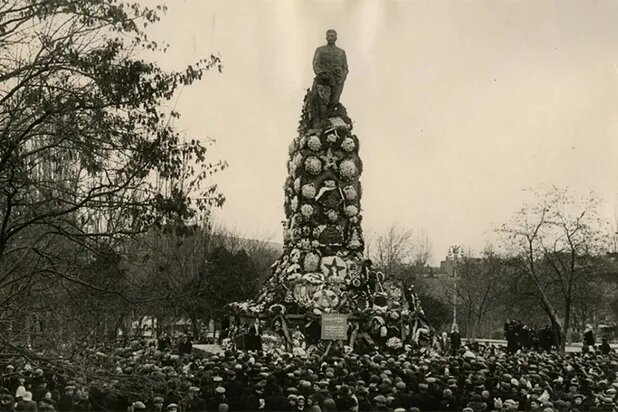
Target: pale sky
{"points": [[459, 105]]}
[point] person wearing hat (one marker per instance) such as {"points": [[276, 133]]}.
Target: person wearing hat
{"points": [[217, 398], [67, 401], [7, 403], [193, 403], [157, 404], [172, 407], [274, 399], [139, 406], [577, 405], [589, 340], [379, 403], [26, 404], [604, 347], [255, 399]]}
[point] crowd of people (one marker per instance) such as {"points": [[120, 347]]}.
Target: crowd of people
{"points": [[165, 376]]}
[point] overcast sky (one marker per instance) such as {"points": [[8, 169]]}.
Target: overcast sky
{"points": [[459, 105]]}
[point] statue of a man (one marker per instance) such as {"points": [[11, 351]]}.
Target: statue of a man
{"points": [[331, 68]]}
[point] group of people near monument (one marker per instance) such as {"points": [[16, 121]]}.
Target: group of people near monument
{"points": [[139, 376], [520, 337]]}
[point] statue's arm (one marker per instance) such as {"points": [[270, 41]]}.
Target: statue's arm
{"points": [[316, 62], [345, 65]]}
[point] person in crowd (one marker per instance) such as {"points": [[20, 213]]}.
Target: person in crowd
{"points": [[26, 404], [185, 346], [604, 347], [67, 400], [7, 403], [455, 339], [163, 342], [589, 340]]}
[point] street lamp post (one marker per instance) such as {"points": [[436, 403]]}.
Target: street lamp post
{"points": [[455, 253]]}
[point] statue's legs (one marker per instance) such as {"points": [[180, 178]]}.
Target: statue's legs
{"points": [[335, 94]]}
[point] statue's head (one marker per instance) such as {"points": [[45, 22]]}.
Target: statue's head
{"points": [[331, 36]]}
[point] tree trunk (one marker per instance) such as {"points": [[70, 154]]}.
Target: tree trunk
{"points": [[567, 322], [553, 315], [477, 320]]}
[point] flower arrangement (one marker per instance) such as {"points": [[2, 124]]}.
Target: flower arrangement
{"points": [[309, 191], [297, 185], [394, 343], [313, 165], [325, 299], [355, 242], [292, 147], [330, 184], [276, 310], [304, 244], [351, 210], [318, 231], [294, 204], [347, 169], [295, 255], [315, 278], [306, 210], [314, 143], [297, 161], [311, 262], [332, 137], [350, 193], [348, 144], [332, 215]]}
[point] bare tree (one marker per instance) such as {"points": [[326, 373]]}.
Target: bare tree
{"points": [[555, 241], [402, 252], [480, 287]]}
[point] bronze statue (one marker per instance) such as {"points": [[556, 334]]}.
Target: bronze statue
{"points": [[331, 68]]}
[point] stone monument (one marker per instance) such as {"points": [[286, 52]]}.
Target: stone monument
{"points": [[323, 268]]}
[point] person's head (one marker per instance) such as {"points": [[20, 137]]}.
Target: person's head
{"points": [[6, 399], [172, 407], [48, 396], [300, 402], [193, 391], [329, 405], [578, 399], [139, 406], [534, 403], [331, 36], [292, 400], [380, 401], [223, 407], [158, 403], [27, 396]]}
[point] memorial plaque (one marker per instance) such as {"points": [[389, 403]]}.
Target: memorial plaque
{"points": [[334, 326]]}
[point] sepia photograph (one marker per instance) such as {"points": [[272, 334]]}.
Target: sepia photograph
{"points": [[308, 205]]}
